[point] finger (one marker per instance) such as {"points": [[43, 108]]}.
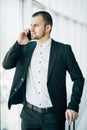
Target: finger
{"points": [[75, 116], [70, 118], [66, 115], [26, 31]]}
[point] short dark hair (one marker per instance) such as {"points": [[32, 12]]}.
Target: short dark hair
{"points": [[46, 16]]}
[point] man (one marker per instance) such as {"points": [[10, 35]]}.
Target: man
{"points": [[39, 80]]}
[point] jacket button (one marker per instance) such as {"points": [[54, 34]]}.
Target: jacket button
{"points": [[22, 79], [15, 89]]}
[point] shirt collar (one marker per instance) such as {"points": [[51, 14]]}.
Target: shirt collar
{"points": [[45, 44]]}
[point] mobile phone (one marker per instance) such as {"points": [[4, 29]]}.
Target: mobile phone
{"points": [[29, 35]]}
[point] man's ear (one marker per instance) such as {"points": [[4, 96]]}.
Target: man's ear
{"points": [[48, 28]]}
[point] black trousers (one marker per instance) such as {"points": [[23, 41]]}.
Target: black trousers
{"points": [[32, 120]]}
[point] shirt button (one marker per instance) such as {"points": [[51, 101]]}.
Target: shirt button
{"points": [[22, 79], [15, 89], [39, 61], [39, 82]]}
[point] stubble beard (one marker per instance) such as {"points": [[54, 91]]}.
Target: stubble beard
{"points": [[38, 37]]}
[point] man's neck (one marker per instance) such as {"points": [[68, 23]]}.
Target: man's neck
{"points": [[43, 40]]}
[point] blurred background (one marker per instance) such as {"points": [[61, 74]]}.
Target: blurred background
{"points": [[70, 27]]}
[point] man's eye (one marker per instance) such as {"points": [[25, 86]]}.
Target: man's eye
{"points": [[36, 25]]}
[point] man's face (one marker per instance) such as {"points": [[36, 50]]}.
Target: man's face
{"points": [[38, 27]]}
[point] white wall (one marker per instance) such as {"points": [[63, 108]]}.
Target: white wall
{"points": [[70, 26]]}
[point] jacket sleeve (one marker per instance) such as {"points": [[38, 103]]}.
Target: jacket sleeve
{"points": [[77, 78], [12, 56]]}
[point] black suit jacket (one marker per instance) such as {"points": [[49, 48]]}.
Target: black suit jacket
{"points": [[61, 60]]}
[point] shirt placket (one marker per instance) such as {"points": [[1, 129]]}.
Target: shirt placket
{"points": [[39, 73]]}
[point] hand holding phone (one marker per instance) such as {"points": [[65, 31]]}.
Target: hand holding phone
{"points": [[24, 37]]}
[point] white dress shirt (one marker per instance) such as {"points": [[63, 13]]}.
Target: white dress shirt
{"points": [[36, 86]]}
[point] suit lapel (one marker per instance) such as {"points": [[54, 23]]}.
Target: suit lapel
{"points": [[29, 52], [53, 54]]}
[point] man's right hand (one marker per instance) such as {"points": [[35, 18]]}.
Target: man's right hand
{"points": [[23, 39]]}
